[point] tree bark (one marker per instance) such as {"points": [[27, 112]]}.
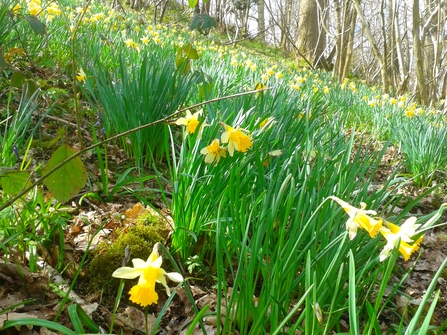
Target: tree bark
{"points": [[261, 21], [421, 88], [311, 40], [345, 19]]}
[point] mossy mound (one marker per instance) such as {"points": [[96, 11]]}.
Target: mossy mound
{"points": [[108, 256]]}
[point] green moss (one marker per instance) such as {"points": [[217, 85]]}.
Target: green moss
{"points": [[108, 257]]}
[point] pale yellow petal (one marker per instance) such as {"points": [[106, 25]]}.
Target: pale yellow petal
{"points": [[138, 263], [175, 276], [209, 158], [181, 121], [127, 273], [225, 137], [162, 280], [231, 148]]}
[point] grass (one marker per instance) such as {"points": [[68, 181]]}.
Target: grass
{"points": [[257, 225]]}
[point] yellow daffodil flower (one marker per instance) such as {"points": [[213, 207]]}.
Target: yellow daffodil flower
{"points": [[149, 272], [129, 43], [144, 40], [409, 113], [358, 217], [81, 75], [267, 123], [34, 8], [53, 9], [213, 152], [260, 87], [16, 9], [191, 121], [236, 139], [393, 233]]}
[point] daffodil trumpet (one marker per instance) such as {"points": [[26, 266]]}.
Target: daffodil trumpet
{"points": [[149, 272]]}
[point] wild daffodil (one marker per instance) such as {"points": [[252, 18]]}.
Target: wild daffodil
{"points": [[191, 121], [81, 75], [405, 233], [358, 217], [16, 9], [267, 123], [236, 138], [213, 152], [149, 272]]}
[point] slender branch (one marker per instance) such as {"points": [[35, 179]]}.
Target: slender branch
{"points": [[249, 37], [75, 82], [166, 119]]}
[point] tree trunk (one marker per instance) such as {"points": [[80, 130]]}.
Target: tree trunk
{"points": [[345, 19], [261, 21], [373, 43], [286, 15], [311, 40], [421, 88]]}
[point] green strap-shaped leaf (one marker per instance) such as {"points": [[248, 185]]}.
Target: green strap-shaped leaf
{"points": [[79, 319], [69, 179], [31, 87], [39, 323], [36, 25], [14, 181], [192, 3]]}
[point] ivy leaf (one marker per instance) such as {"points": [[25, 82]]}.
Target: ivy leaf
{"points": [[69, 179], [203, 23], [18, 79], [14, 181], [36, 25], [196, 21]]}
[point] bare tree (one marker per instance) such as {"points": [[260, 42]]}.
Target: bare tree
{"points": [[379, 56], [397, 44], [422, 92], [311, 38], [345, 21], [261, 20]]}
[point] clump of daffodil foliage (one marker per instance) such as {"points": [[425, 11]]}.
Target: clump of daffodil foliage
{"points": [[139, 239]]}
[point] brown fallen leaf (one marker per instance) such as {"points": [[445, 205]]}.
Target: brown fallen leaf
{"points": [[14, 316]]}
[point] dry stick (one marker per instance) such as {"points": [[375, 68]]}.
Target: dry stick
{"points": [[80, 152], [75, 82]]}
